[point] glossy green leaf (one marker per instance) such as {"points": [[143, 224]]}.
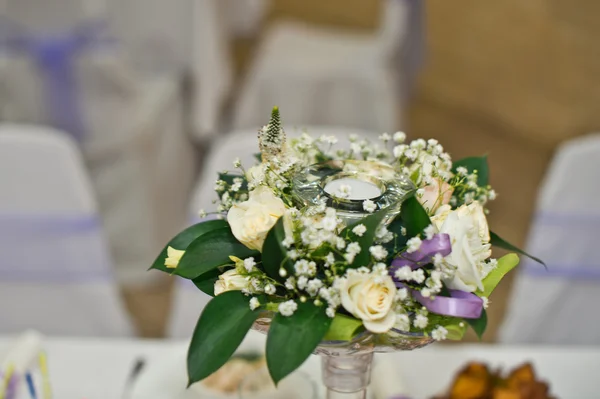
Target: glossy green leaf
{"points": [[414, 217], [505, 265], [343, 328], [182, 240], [206, 282], [210, 251], [221, 328], [480, 164], [292, 339], [399, 241], [275, 252], [372, 223], [456, 332], [479, 325], [497, 241]]}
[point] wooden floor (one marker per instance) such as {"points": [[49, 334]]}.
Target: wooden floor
{"points": [[469, 97]]}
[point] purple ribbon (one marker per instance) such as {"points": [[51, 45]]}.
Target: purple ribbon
{"points": [[438, 244], [459, 304], [54, 56]]}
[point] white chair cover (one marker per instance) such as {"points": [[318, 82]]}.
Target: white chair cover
{"points": [[135, 145], [189, 300], [55, 271], [329, 77], [559, 305]]}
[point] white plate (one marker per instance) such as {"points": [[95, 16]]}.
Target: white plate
{"points": [[167, 379]]}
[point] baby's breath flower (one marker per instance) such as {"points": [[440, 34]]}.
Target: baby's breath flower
{"points": [[413, 244], [492, 195], [237, 163], [202, 213], [254, 303], [486, 302], [369, 206], [302, 282], [401, 294], [403, 231], [329, 259], [359, 230], [330, 312], [385, 137], [293, 254], [290, 283], [420, 321], [270, 289], [439, 333], [249, 264], [399, 137], [314, 286], [402, 322], [378, 252], [429, 231], [287, 308]]}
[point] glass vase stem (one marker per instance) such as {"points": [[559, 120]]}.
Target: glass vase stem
{"points": [[347, 377]]}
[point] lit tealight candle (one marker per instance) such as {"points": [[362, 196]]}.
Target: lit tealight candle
{"points": [[352, 189]]}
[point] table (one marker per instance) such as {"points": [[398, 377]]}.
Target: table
{"points": [[98, 368]]}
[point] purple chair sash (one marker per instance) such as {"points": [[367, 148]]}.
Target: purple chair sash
{"points": [[55, 55]]}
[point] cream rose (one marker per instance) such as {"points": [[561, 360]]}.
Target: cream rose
{"points": [[231, 280], [251, 220], [370, 298], [436, 194], [470, 237]]}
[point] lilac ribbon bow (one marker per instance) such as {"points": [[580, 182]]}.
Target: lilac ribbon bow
{"points": [[459, 304], [54, 56]]}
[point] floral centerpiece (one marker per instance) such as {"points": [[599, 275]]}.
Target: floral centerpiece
{"points": [[329, 244]]}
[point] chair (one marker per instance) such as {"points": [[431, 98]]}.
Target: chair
{"points": [[331, 77], [188, 300], [55, 271], [559, 305], [134, 140]]}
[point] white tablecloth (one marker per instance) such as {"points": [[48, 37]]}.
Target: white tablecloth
{"points": [[98, 369]]}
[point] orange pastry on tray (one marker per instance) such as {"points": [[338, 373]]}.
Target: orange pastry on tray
{"points": [[476, 381]]}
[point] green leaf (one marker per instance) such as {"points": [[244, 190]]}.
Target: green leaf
{"points": [[372, 223], [505, 265], [497, 241], [399, 240], [258, 156], [343, 328], [479, 325], [414, 217], [455, 331], [292, 339], [206, 282], [221, 328], [210, 251], [275, 252], [182, 240], [480, 164]]}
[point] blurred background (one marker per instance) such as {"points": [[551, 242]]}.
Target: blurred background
{"points": [[116, 114]]}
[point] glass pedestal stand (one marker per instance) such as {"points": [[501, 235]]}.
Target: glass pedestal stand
{"points": [[346, 365]]}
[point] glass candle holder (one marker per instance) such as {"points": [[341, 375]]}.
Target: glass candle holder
{"points": [[346, 185]]}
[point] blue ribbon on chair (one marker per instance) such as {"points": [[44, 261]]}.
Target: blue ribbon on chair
{"points": [[55, 56]]}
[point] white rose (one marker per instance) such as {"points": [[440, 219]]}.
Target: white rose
{"points": [[470, 237], [251, 220], [231, 280], [370, 299]]}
